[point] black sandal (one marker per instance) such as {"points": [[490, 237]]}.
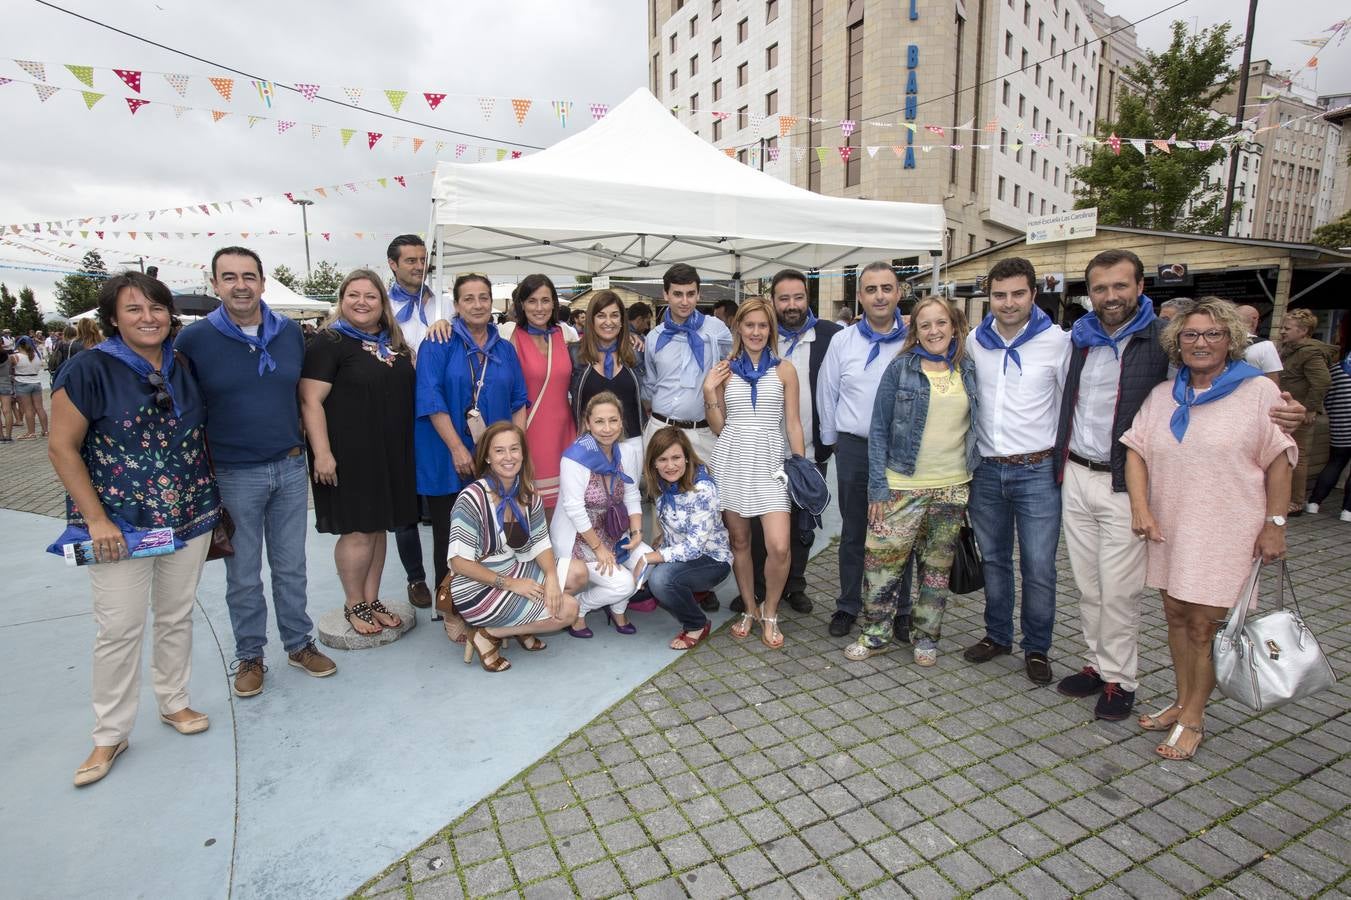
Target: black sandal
{"points": [[380, 609], [365, 613]]}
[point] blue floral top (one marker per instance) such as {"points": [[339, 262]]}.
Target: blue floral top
{"points": [[149, 468], [691, 526]]}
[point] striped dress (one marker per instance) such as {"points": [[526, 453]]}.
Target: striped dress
{"points": [[752, 448], [474, 534], [1337, 403]]}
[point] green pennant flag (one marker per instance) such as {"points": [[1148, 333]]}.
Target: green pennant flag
{"points": [[347, 135], [90, 98], [384, 182], [501, 154], [84, 73], [821, 155], [395, 98]]}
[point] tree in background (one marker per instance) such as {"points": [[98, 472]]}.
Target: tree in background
{"points": [[1176, 89], [283, 274], [29, 317], [9, 305], [1334, 234], [324, 281], [79, 292]]}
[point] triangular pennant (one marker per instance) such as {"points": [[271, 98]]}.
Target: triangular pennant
{"points": [[459, 149], [1139, 144], [486, 104], [821, 155], [516, 154], [45, 91], [773, 154], [599, 111], [326, 234], [371, 138], [417, 144], [283, 126], [265, 91], [872, 152], [482, 153], [395, 99], [179, 110], [224, 86], [134, 103], [353, 94], [786, 124], [521, 107], [1115, 143], [396, 142], [5, 80], [321, 192], [1162, 146], [359, 234], [440, 145], [384, 182], [205, 211], [399, 179], [433, 100], [132, 77], [36, 69], [178, 82], [561, 109], [308, 91], [254, 120], [90, 98], [898, 150], [845, 153], [1203, 146], [847, 127], [216, 114], [934, 129], [315, 131], [84, 73], [730, 151], [347, 135], [501, 154]]}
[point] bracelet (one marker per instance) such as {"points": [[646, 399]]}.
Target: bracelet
{"points": [[499, 582]]}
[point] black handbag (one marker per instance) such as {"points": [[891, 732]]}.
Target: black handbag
{"points": [[968, 572]]}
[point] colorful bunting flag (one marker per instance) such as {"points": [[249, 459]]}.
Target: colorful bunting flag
{"points": [[847, 127], [179, 110], [315, 131], [45, 91], [395, 99], [935, 129], [417, 144], [283, 126], [36, 69], [1203, 146], [561, 109], [371, 138], [321, 192], [224, 86], [254, 120], [1115, 143], [90, 98], [347, 135], [84, 73], [521, 107], [821, 155], [216, 114], [730, 151], [399, 179], [501, 154], [599, 111], [433, 100], [845, 153], [515, 154], [786, 124], [134, 104], [459, 149], [308, 91], [353, 94], [485, 104], [773, 153], [872, 152], [265, 91], [178, 82], [132, 77]]}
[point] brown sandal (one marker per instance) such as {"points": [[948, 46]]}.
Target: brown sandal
{"points": [[363, 612], [534, 647], [490, 658]]}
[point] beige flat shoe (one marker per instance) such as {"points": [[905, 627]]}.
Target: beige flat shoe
{"points": [[195, 725], [91, 774]]}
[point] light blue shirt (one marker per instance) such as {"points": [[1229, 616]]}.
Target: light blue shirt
{"points": [[847, 384], [672, 382]]}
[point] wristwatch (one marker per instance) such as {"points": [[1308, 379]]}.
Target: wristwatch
{"points": [[1278, 521], [499, 582]]}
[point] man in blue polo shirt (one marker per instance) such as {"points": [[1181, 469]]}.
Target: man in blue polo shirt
{"points": [[247, 361]]}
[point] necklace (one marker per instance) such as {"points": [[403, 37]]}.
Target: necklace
{"points": [[943, 383]]}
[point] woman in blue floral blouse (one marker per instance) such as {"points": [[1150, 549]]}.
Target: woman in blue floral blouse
{"points": [[693, 554], [127, 441]]}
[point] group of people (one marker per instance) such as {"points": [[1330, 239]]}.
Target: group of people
{"points": [[531, 447]]}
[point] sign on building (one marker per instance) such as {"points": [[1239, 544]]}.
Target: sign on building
{"points": [[1066, 226]]}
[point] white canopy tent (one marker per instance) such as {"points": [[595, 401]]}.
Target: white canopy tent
{"points": [[637, 192], [286, 302]]}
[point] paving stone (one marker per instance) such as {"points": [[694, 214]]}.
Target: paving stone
{"points": [[600, 879], [826, 839], [586, 847], [478, 846], [642, 865], [567, 822], [553, 889], [724, 838], [763, 825], [663, 823], [800, 812], [488, 878], [394, 879], [535, 863], [684, 852], [447, 887], [750, 868], [788, 854], [1177, 874], [523, 833], [1035, 882], [708, 881], [1102, 856], [927, 883], [996, 855]]}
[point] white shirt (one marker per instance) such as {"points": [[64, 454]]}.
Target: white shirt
{"points": [[1020, 408], [801, 359], [846, 384], [1263, 355], [1099, 387]]}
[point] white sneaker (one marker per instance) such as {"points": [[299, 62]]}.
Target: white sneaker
{"points": [[1311, 507], [1346, 516]]}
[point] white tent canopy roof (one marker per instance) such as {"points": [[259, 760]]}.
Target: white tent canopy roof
{"points": [[284, 301], [637, 191]]}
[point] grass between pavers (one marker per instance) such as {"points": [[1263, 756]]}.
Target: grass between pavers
{"points": [[951, 866]]}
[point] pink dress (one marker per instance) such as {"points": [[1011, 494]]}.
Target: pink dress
{"points": [[550, 429], [1208, 493]]}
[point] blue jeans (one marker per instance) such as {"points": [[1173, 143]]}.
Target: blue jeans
{"points": [[674, 585], [267, 503], [1002, 497]]}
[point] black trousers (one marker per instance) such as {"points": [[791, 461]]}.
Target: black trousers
{"points": [[409, 541]]}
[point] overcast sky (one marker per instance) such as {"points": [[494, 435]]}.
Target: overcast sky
{"points": [[58, 160]]}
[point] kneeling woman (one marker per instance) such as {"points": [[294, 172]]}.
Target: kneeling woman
{"points": [[601, 521], [503, 578], [693, 554], [921, 453]]}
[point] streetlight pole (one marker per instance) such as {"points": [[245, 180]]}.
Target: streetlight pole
{"points": [[305, 223]]}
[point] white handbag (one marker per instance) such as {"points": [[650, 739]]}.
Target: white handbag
{"points": [[1272, 659]]}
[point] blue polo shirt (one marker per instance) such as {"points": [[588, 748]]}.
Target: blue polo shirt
{"points": [[251, 419]]}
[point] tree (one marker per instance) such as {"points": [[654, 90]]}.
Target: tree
{"points": [[79, 292], [1176, 91], [324, 281], [283, 274], [1334, 234], [9, 305], [29, 317]]}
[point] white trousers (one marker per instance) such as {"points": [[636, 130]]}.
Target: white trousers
{"points": [[122, 592], [702, 440], [1108, 562], [601, 591]]}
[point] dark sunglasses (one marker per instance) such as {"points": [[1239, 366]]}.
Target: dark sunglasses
{"points": [[162, 398]]}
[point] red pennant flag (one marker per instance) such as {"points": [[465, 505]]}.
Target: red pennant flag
{"points": [[515, 154], [135, 104], [371, 138], [846, 152], [290, 196], [131, 76], [100, 234], [325, 234], [935, 129], [1115, 143], [399, 179], [433, 100], [203, 208]]}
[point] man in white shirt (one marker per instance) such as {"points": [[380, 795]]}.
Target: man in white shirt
{"points": [[1020, 358], [845, 389], [1261, 352]]}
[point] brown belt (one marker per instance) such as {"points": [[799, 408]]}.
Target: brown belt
{"points": [[680, 423], [1021, 459], [294, 451], [1089, 464]]}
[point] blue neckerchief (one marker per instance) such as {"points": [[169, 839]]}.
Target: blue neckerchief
{"points": [[405, 302], [270, 326], [991, 339], [539, 332], [119, 351], [508, 501], [690, 329], [793, 335], [380, 339], [1088, 331], [1234, 374], [609, 350], [77, 534], [586, 451], [877, 340], [26, 340], [461, 331], [934, 357], [742, 366], [669, 489], [1346, 365]]}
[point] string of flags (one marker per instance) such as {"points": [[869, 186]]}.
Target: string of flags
{"points": [[63, 257], [103, 234]]}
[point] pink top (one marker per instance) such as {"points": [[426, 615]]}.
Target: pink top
{"points": [[550, 430], [1208, 493]]}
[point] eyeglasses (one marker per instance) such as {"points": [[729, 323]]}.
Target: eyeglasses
{"points": [[1213, 336], [162, 398]]}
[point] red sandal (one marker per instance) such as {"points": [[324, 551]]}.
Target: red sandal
{"points": [[688, 640]]}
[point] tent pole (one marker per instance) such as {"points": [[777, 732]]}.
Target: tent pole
{"points": [[937, 257]]}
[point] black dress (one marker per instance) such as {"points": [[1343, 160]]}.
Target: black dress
{"points": [[370, 430], [625, 385]]}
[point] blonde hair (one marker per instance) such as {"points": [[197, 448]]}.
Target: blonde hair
{"points": [[755, 304], [601, 399], [387, 321], [955, 316], [1224, 314], [87, 333], [1303, 318]]}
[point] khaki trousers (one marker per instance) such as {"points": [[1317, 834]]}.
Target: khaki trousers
{"points": [[1299, 478], [1108, 562], [703, 440], [122, 591]]}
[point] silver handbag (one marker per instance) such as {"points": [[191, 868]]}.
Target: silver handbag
{"points": [[1272, 659]]}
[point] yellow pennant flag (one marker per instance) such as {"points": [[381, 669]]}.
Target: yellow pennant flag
{"points": [[90, 98], [395, 98], [347, 135], [84, 73]]}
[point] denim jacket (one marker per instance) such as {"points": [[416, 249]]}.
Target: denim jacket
{"points": [[900, 411]]}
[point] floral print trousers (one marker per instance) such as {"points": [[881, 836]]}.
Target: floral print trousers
{"points": [[926, 521]]}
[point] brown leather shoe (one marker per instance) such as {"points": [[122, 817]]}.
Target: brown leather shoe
{"points": [[249, 677], [419, 595], [312, 661]]}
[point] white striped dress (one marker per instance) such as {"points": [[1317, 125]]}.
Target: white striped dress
{"points": [[751, 448], [1338, 406]]}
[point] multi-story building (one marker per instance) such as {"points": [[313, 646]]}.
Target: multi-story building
{"points": [[1337, 167], [1246, 178], [860, 82], [1294, 196], [1120, 53]]}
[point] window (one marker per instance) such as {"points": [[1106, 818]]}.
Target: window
{"points": [[771, 56], [717, 130], [1022, 105], [694, 25], [1017, 194], [1030, 200], [1057, 178], [742, 74], [1008, 44], [694, 102], [1003, 140], [677, 5], [1043, 206], [1053, 45], [717, 49], [1027, 13], [673, 42], [694, 65], [741, 157], [1024, 60], [1038, 74], [1041, 30], [970, 244], [772, 103], [717, 90], [1005, 94], [853, 169], [742, 115], [743, 30], [772, 143], [675, 79], [771, 10], [717, 8], [999, 192]]}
